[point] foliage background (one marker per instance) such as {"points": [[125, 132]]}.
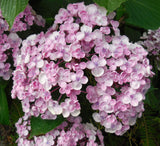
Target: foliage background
{"points": [[135, 17]]}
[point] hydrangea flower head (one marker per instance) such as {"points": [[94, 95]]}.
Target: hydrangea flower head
{"points": [[83, 50]]}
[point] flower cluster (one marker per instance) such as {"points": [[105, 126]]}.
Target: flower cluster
{"points": [[70, 133], [83, 52], [11, 42], [151, 41], [121, 84]]}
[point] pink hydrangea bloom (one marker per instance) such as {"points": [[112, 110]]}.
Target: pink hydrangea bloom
{"points": [[79, 53], [12, 41]]}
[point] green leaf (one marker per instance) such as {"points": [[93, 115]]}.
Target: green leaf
{"points": [[15, 110], [40, 126], [143, 13], [152, 98], [11, 8], [120, 12], [4, 112], [110, 5]]}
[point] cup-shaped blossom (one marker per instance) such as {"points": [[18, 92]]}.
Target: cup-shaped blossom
{"points": [[78, 79], [96, 65]]}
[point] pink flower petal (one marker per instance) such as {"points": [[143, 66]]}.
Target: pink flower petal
{"points": [[94, 58], [80, 73]]}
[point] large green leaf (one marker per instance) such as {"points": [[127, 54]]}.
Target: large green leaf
{"points": [[110, 5], [143, 13], [11, 8], [40, 126], [4, 112]]}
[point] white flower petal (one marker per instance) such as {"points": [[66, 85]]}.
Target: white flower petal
{"points": [[65, 113], [73, 76], [108, 108], [54, 35], [19, 59], [27, 58], [132, 121], [67, 57], [58, 110], [109, 82], [40, 64], [13, 36], [42, 78], [90, 65], [91, 9], [138, 96], [96, 117], [110, 130], [84, 80], [135, 84], [76, 85], [102, 10], [75, 113], [126, 100], [134, 102], [98, 71], [47, 86], [86, 29], [51, 109], [80, 35], [102, 62]]}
